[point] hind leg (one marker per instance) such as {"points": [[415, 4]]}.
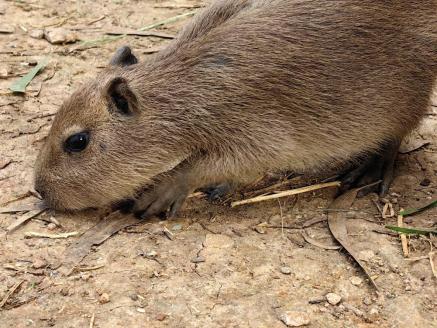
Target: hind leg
{"points": [[377, 167]]}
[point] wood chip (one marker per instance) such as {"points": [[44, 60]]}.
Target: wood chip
{"points": [[286, 193], [10, 292]]}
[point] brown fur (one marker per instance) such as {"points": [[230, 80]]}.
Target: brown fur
{"points": [[250, 86]]}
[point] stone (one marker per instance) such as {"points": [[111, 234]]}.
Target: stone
{"points": [[285, 270], [104, 298], [36, 34], [295, 318], [60, 36], [356, 281], [333, 298]]}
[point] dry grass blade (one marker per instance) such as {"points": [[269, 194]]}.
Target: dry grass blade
{"points": [[286, 193], [10, 292], [433, 263], [337, 224], [95, 42], [26, 217], [21, 84]]}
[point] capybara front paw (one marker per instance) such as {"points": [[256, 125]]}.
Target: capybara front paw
{"points": [[164, 198]]}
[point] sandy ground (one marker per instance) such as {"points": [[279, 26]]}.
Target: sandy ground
{"points": [[222, 269]]}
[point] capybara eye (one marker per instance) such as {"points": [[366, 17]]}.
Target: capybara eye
{"points": [[77, 142]]}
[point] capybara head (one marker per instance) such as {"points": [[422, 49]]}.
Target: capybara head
{"points": [[103, 145]]}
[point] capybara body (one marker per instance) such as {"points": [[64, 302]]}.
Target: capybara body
{"points": [[247, 87]]}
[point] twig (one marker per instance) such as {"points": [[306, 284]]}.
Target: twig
{"points": [[96, 267], [286, 193], [33, 234], [10, 292], [431, 261], [106, 39], [93, 317], [403, 237], [96, 20]]}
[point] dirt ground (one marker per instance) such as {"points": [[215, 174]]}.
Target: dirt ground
{"points": [[223, 267]]}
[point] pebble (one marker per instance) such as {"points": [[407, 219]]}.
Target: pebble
{"points": [[104, 298], [151, 254], [285, 270], [134, 296], [60, 36], [64, 291], [39, 263], [51, 226], [333, 298], [356, 281], [37, 34], [316, 300], [161, 316], [367, 301], [141, 310], [295, 319]]}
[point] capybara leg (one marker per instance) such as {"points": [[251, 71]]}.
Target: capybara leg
{"points": [[377, 167]]}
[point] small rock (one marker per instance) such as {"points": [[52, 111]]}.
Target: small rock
{"points": [[6, 30], [176, 227], [141, 310], [51, 226], [285, 270], [295, 319], [134, 297], [60, 36], [260, 230], [316, 300], [64, 291], [356, 281], [37, 34], [367, 301], [425, 182], [373, 311], [198, 259], [151, 254], [161, 316], [333, 298], [39, 263], [104, 298]]}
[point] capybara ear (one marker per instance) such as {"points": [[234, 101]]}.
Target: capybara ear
{"points": [[123, 57], [121, 98]]}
